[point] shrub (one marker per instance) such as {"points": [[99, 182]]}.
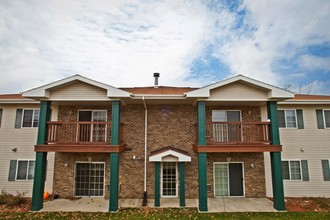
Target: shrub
{"points": [[10, 200]]}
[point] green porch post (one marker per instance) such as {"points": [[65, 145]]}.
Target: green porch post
{"points": [[275, 158], [202, 158], [157, 184], [182, 185], [114, 157], [41, 158]]}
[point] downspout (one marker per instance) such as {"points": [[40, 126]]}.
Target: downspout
{"points": [[144, 202]]}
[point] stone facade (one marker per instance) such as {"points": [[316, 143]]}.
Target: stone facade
{"points": [[168, 125], [64, 171], [253, 172]]}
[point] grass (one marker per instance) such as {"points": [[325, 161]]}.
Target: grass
{"points": [[168, 214]]}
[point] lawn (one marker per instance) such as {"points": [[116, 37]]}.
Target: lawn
{"points": [[151, 213]]}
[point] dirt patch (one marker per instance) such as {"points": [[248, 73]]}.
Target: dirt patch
{"points": [[313, 204]]}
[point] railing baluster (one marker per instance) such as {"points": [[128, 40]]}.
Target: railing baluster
{"points": [[237, 133], [60, 132]]}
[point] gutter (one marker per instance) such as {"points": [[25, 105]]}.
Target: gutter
{"points": [[144, 202]]}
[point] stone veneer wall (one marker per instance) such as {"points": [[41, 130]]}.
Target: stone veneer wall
{"points": [[167, 125], [173, 125], [253, 171], [63, 184]]}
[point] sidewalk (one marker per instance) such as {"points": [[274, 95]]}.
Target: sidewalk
{"points": [[214, 204]]}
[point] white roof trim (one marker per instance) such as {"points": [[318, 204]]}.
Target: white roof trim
{"points": [[159, 157], [44, 91], [305, 102], [273, 91], [18, 101]]}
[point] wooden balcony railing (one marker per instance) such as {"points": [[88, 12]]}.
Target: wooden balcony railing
{"points": [[237, 133], [60, 132]]}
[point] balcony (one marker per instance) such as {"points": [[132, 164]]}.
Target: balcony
{"points": [[237, 137], [80, 137]]}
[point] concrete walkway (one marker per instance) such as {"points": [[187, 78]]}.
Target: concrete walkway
{"points": [[214, 204]]}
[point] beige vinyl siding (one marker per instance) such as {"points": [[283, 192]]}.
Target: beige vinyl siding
{"points": [[79, 91], [238, 91], [311, 144], [54, 115], [24, 140]]}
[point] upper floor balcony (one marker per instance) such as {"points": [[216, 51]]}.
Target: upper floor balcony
{"points": [[237, 137], [81, 136]]}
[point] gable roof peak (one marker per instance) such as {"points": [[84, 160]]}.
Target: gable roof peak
{"points": [[274, 92], [44, 91]]}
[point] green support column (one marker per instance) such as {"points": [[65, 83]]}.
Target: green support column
{"points": [[41, 158], [275, 158], [114, 157], [114, 180], [182, 185], [202, 158], [157, 184]]}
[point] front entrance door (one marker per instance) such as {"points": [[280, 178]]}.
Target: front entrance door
{"points": [[169, 181], [228, 179], [89, 179]]}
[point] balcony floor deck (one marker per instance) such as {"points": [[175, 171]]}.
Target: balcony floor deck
{"points": [[239, 148]]}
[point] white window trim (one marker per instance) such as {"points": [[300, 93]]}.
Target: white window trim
{"points": [[176, 180], [27, 169], [243, 174], [286, 125], [325, 126], [301, 174], [28, 109], [75, 173]]}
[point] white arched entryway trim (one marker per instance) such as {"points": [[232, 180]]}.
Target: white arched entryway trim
{"points": [[169, 155]]}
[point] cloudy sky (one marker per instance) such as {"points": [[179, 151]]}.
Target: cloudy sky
{"points": [[191, 43]]}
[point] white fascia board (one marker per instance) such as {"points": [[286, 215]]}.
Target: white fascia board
{"points": [[159, 157], [307, 102], [43, 91], [15, 101], [279, 93]]}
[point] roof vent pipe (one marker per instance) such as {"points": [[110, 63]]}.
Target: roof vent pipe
{"points": [[156, 75]]}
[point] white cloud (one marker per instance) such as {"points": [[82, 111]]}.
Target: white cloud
{"points": [[120, 43], [315, 63], [123, 42], [276, 30]]}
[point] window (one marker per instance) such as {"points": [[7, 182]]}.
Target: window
{"points": [[290, 118], [326, 170], [0, 116], [230, 116], [295, 170], [30, 118], [21, 170], [323, 118]]}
